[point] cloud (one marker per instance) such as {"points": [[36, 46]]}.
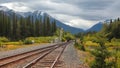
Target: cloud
{"points": [[81, 23], [16, 6], [95, 4], [77, 13], [75, 21]]}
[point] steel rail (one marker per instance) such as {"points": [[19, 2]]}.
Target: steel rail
{"points": [[2, 65], [41, 57], [44, 50], [37, 59], [54, 63]]}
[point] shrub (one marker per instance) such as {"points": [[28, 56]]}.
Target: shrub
{"points": [[90, 43], [101, 54], [79, 46], [27, 41], [3, 39]]}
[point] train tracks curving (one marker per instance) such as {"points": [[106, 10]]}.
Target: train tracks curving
{"points": [[40, 58]]}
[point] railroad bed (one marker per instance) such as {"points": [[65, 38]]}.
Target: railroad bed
{"points": [[4, 54], [46, 57]]}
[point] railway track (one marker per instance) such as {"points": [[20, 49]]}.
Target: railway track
{"points": [[31, 58]]}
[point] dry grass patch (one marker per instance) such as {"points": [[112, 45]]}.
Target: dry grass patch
{"points": [[85, 57]]}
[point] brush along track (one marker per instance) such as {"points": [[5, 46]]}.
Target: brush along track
{"points": [[20, 60]]}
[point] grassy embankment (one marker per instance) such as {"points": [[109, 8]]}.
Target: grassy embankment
{"points": [[113, 47], [5, 44]]}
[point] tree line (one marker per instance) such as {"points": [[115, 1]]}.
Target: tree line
{"points": [[112, 29], [17, 28]]}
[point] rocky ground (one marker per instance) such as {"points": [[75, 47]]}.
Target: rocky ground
{"points": [[22, 50], [71, 57]]}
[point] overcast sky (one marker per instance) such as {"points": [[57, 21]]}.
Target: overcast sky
{"points": [[77, 13]]}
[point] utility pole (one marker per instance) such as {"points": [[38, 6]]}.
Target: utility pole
{"points": [[60, 35]]}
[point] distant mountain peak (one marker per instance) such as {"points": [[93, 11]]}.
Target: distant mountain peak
{"points": [[3, 8], [24, 14], [97, 27], [38, 12]]}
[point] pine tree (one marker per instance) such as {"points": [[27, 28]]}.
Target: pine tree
{"points": [[101, 54], [37, 28], [41, 29], [111, 30], [118, 19], [48, 27], [44, 26], [17, 28], [54, 27], [18, 31]]}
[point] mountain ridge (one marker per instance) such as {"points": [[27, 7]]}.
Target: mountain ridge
{"points": [[97, 27], [38, 14]]}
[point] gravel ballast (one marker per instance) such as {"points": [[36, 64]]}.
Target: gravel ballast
{"points": [[70, 57], [4, 54]]}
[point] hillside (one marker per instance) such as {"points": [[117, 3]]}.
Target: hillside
{"points": [[39, 14], [97, 27]]}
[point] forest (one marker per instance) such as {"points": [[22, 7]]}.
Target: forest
{"points": [[112, 29], [17, 28]]}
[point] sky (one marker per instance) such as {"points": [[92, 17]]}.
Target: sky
{"points": [[77, 13]]}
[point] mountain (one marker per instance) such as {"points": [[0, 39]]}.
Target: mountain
{"points": [[69, 28], [97, 27], [39, 14], [9, 12], [3, 8]]}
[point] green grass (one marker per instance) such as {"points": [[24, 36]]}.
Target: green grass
{"points": [[90, 45], [5, 44], [12, 43], [118, 54], [107, 44], [41, 39], [112, 43]]}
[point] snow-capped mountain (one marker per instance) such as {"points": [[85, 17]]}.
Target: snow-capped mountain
{"points": [[9, 12], [37, 15], [3, 8], [24, 14]]}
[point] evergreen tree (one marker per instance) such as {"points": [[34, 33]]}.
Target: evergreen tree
{"points": [[53, 27], [101, 54], [16, 28], [111, 30], [44, 27], [18, 31], [48, 27], [41, 29]]}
